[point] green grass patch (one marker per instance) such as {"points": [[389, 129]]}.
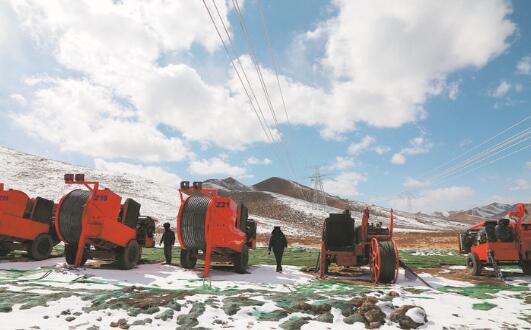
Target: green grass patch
{"points": [[431, 258], [483, 291], [484, 306]]}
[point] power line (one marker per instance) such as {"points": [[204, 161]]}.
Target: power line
{"points": [[477, 146], [273, 58], [264, 125], [243, 70], [252, 52], [494, 150], [457, 170], [238, 74]]}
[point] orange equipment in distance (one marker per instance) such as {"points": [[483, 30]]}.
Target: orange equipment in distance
{"points": [[26, 224]]}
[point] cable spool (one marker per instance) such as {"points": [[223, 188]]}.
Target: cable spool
{"points": [[70, 214], [388, 262], [192, 225], [383, 261]]}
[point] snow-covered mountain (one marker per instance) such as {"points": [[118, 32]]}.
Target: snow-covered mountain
{"points": [[228, 184], [272, 202], [38, 176], [490, 211]]}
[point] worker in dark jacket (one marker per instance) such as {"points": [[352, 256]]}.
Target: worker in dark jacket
{"points": [[278, 243], [168, 238]]}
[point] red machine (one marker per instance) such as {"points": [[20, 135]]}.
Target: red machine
{"points": [[94, 224], [368, 244], [216, 226], [491, 243], [26, 224]]}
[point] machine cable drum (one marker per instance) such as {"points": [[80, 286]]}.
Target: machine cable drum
{"points": [[193, 220], [70, 214], [388, 262]]}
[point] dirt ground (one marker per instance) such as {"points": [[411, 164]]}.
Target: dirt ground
{"points": [[410, 240]]}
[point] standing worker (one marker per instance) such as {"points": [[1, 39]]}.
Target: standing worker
{"points": [[169, 239], [278, 242]]}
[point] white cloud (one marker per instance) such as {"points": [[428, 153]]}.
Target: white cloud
{"points": [[528, 164], [380, 150], [417, 145], [342, 163], [87, 39], [216, 166], [256, 161], [415, 183], [376, 78], [19, 99], [453, 90], [502, 89], [398, 159], [520, 184], [441, 199], [524, 65], [344, 185], [372, 74], [518, 87], [356, 148], [154, 173], [82, 117]]}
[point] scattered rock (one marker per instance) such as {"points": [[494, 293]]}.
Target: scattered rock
{"points": [[77, 313], [356, 317], [393, 294], [164, 316], [45, 317], [409, 316], [93, 327], [66, 312], [326, 317], [121, 323], [70, 318], [294, 323]]}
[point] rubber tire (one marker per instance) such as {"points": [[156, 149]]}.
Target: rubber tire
{"points": [[473, 264], [70, 254], [241, 260], [188, 258], [526, 267], [4, 252], [128, 257], [41, 247], [388, 262]]}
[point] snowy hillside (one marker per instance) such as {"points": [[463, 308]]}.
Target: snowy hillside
{"points": [[38, 176], [492, 210]]}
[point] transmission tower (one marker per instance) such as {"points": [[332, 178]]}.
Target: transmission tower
{"points": [[319, 195]]}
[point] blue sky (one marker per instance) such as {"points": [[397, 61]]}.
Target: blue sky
{"points": [[378, 94]]}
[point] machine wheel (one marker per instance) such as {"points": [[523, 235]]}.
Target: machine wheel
{"points": [[188, 258], [526, 266], [383, 261], [41, 247], [4, 251], [70, 254], [241, 260], [128, 257], [473, 264], [326, 265]]}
